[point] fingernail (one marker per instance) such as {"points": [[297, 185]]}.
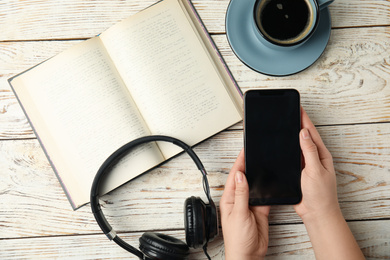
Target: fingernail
{"points": [[305, 134], [238, 177]]}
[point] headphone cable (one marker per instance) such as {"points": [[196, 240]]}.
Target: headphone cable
{"points": [[205, 251]]}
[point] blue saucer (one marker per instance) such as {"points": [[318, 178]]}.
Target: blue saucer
{"points": [[260, 58]]}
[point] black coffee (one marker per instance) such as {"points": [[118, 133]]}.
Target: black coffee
{"points": [[284, 21]]}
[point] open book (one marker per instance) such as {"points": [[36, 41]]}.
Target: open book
{"points": [[157, 72]]}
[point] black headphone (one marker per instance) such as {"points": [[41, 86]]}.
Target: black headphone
{"points": [[200, 221]]}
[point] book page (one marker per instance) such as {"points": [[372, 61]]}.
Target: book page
{"points": [[214, 55], [169, 74], [78, 105]]}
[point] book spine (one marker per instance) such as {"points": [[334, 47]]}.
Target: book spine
{"points": [[215, 47], [74, 207]]}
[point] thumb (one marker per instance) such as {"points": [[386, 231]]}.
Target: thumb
{"points": [[309, 149], [241, 199]]}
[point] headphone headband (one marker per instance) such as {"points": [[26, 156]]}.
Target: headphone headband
{"points": [[112, 160]]}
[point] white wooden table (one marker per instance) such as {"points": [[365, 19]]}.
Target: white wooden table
{"points": [[346, 93]]}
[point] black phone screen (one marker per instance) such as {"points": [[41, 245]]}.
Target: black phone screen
{"points": [[272, 151]]}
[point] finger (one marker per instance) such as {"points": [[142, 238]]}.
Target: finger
{"points": [[306, 123], [241, 198], [261, 214], [239, 164], [260, 211], [323, 153], [309, 150], [230, 186]]}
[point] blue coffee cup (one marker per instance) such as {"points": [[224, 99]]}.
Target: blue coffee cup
{"points": [[286, 24]]}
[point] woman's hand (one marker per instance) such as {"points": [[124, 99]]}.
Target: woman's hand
{"points": [[245, 228], [319, 209], [318, 179]]}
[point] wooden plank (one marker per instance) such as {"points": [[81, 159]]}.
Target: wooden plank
{"points": [[32, 202], [16, 58], [292, 242], [55, 19], [348, 84], [286, 242], [360, 13]]}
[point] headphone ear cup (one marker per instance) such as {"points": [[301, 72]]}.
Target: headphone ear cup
{"points": [[212, 220], [164, 247], [194, 222]]}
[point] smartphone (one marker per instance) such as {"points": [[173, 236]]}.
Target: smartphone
{"points": [[272, 123]]}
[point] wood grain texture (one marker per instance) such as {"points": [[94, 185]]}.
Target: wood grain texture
{"points": [[56, 19], [345, 86], [16, 57], [346, 92], [29, 186], [348, 84], [286, 242]]}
